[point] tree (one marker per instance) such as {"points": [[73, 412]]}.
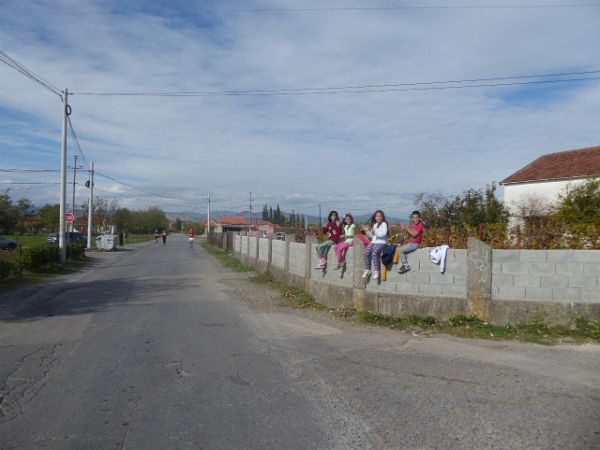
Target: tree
{"points": [[50, 217], [122, 218], [265, 212], [471, 208], [8, 214], [580, 205]]}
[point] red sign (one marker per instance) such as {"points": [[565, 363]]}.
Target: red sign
{"points": [[69, 217]]}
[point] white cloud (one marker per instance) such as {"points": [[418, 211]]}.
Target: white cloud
{"points": [[357, 151]]}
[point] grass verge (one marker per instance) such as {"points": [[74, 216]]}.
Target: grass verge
{"points": [[296, 297], [226, 259], [536, 331], [32, 277]]}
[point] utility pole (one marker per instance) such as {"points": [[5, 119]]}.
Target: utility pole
{"points": [[250, 215], [63, 182], [306, 223], [73, 204], [90, 206], [208, 218], [320, 217]]}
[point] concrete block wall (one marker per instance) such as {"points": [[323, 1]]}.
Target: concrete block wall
{"points": [[424, 277], [244, 249], [297, 258], [331, 275], [558, 285], [546, 275], [263, 250], [278, 260], [252, 247]]}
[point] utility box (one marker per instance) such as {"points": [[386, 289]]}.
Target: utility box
{"points": [[107, 241]]}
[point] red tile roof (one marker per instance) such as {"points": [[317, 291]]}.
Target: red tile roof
{"points": [[582, 162], [241, 220]]}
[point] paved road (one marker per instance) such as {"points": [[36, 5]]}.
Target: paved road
{"points": [[151, 349]]}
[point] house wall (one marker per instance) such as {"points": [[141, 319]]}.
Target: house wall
{"points": [[546, 191]]}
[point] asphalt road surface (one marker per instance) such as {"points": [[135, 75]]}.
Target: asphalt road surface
{"points": [[151, 348]]}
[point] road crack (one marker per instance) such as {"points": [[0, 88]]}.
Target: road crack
{"points": [[26, 381]]}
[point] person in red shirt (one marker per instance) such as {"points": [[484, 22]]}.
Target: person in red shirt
{"points": [[333, 230], [415, 231], [191, 236]]}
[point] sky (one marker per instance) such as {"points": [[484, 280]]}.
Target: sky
{"points": [[354, 150]]}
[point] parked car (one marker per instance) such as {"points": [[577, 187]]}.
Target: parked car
{"points": [[72, 236], [8, 244]]}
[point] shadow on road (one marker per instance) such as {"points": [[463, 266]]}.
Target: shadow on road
{"points": [[69, 299]]}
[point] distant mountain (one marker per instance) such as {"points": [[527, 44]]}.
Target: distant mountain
{"points": [[188, 216]]}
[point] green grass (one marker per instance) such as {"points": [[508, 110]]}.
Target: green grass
{"points": [[226, 259], [29, 240], [296, 297], [293, 296], [32, 277], [138, 238], [537, 331]]}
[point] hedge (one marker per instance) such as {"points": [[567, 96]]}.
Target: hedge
{"points": [[6, 269], [44, 257]]}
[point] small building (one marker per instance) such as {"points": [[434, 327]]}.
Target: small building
{"points": [[532, 190], [240, 224]]}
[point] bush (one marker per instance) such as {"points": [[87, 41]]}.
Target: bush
{"points": [[6, 269], [75, 251], [40, 257]]}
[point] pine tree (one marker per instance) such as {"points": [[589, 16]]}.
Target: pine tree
{"points": [[265, 212], [271, 214]]}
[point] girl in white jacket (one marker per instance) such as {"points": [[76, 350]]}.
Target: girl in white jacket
{"points": [[378, 232]]}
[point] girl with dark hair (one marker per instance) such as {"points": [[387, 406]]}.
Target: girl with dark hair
{"points": [[415, 231], [333, 231], [348, 236], [378, 232]]}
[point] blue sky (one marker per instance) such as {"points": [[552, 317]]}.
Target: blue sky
{"points": [[352, 152]]}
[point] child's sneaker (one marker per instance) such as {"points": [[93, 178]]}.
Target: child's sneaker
{"points": [[338, 267], [404, 268], [376, 275], [366, 273]]}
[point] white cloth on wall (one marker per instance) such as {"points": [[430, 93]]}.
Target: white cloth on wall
{"points": [[438, 256]]}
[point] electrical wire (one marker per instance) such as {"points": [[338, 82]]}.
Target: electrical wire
{"points": [[201, 11], [13, 63], [29, 170], [78, 148], [417, 86]]}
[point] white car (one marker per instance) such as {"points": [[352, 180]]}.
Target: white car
{"points": [[8, 244]]}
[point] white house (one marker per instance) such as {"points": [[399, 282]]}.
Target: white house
{"points": [[532, 189]]}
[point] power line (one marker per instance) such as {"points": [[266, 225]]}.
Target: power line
{"points": [[29, 170], [13, 63], [76, 141], [153, 194], [201, 11], [396, 87]]}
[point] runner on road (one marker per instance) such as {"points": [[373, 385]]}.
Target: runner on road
{"points": [[191, 237]]}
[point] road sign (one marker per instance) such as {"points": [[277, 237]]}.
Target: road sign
{"points": [[69, 217]]}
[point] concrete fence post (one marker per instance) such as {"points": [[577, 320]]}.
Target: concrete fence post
{"points": [[359, 284], [224, 240], [257, 250], [269, 254], [479, 278], [308, 245], [286, 255]]}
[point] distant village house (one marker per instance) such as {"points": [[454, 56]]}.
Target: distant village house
{"points": [[532, 190]]}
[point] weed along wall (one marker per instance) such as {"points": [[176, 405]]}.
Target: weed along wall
{"points": [[501, 286]]}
